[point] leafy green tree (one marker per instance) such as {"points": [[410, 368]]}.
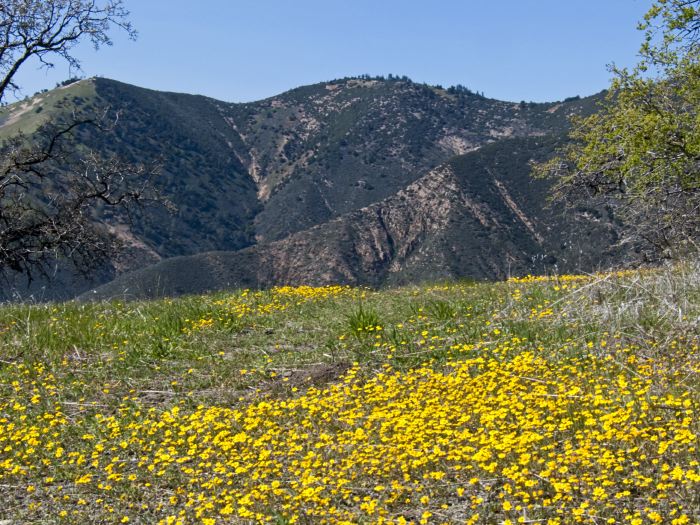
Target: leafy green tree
{"points": [[641, 152]]}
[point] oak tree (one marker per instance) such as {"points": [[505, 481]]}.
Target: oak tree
{"points": [[49, 185], [640, 153]]}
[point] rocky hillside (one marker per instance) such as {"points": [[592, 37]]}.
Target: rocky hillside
{"points": [[461, 220], [321, 151], [357, 180]]}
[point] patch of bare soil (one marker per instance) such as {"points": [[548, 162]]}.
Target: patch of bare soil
{"points": [[316, 375]]}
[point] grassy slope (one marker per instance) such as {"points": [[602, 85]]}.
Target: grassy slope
{"points": [[26, 116], [550, 401]]}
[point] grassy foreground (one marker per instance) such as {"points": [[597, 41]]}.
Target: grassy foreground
{"points": [[560, 400]]}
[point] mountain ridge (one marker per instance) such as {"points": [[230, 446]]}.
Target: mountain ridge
{"points": [[244, 176], [428, 231]]}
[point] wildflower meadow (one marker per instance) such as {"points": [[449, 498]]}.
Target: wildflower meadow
{"points": [[553, 400]]}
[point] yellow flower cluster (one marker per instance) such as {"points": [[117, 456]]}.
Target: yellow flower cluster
{"points": [[313, 292], [505, 434], [247, 304], [457, 418], [571, 278]]}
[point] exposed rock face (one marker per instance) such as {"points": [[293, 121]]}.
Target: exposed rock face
{"points": [[323, 151], [381, 236]]}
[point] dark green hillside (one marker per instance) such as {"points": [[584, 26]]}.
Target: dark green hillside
{"points": [[478, 216], [202, 175], [531, 234], [305, 171]]}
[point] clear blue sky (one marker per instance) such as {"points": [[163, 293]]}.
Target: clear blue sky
{"points": [[241, 50]]}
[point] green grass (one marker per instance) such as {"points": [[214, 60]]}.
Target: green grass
{"points": [[26, 116], [233, 350]]}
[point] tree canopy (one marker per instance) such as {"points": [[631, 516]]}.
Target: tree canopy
{"points": [[641, 152]]}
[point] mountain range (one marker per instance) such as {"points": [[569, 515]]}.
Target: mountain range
{"points": [[364, 181]]}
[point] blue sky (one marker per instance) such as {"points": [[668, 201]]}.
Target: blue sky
{"points": [[241, 50]]}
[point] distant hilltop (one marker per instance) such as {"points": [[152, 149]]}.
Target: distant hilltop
{"points": [[362, 180]]}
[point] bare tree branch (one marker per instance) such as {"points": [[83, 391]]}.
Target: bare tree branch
{"points": [[51, 187], [48, 192], [51, 29]]}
